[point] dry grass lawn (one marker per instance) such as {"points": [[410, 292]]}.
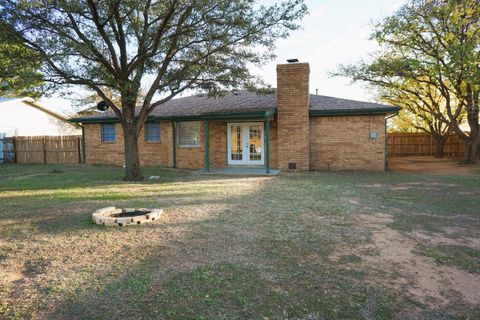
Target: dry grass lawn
{"points": [[295, 246]]}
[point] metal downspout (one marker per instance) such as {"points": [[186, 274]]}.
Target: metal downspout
{"points": [[83, 143]]}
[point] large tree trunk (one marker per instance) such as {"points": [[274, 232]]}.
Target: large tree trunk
{"points": [[439, 146], [475, 150], [132, 160], [471, 155], [472, 151]]}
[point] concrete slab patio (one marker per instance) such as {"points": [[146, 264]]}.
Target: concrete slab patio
{"points": [[254, 171]]}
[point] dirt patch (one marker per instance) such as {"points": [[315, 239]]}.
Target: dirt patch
{"points": [[375, 219], [470, 242], [10, 276], [431, 186], [418, 275], [431, 165]]}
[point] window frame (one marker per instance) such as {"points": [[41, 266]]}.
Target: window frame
{"points": [[159, 132], [199, 145], [102, 132]]}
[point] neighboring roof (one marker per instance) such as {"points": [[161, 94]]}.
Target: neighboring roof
{"points": [[240, 102], [35, 104]]}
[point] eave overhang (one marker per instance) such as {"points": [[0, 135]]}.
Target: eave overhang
{"points": [[350, 112], [210, 116]]}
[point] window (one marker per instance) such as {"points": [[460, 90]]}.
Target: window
{"points": [[152, 131], [189, 133], [108, 132]]}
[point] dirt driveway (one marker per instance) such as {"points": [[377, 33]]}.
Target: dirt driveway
{"points": [[431, 165]]}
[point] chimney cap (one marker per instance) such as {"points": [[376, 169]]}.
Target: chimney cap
{"points": [[292, 60]]}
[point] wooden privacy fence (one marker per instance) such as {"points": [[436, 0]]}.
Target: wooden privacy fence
{"points": [[43, 149], [421, 144]]}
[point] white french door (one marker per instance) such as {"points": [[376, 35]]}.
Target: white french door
{"points": [[245, 143]]}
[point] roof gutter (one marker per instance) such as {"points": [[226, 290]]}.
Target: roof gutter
{"points": [[212, 116], [349, 112]]}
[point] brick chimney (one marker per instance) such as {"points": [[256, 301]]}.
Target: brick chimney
{"points": [[293, 103]]}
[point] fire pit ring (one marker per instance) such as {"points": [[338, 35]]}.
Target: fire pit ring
{"points": [[111, 216]]}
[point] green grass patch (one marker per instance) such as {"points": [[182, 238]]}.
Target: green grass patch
{"points": [[462, 257]]}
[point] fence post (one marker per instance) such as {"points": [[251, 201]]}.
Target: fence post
{"points": [[431, 144], [79, 152], [14, 147], [44, 152], [393, 145]]}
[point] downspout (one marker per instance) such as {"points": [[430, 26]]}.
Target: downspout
{"points": [[386, 119], [83, 144]]}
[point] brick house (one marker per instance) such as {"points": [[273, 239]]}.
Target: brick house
{"points": [[289, 130]]}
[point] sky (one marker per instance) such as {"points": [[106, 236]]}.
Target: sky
{"points": [[335, 32]]}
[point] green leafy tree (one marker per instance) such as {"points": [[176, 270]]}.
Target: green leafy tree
{"points": [[165, 46], [423, 110], [19, 68], [431, 43]]}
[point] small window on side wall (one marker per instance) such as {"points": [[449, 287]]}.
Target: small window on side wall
{"points": [[152, 131], [108, 132], [189, 133]]}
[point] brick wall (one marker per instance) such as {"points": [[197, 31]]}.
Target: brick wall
{"points": [[192, 157], [157, 153], [343, 143], [218, 143], [335, 143], [274, 143], [151, 153], [292, 114], [98, 152], [161, 153]]}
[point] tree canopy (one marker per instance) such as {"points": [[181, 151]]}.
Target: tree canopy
{"points": [[19, 68], [430, 44], [160, 47]]}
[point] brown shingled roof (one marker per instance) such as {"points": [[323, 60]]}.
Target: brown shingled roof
{"points": [[246, 101]]}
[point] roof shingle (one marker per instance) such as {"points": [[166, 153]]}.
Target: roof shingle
{"points": [[246, 101]]}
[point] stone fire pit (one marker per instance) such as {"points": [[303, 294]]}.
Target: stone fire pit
{"points": [[112, 216]]}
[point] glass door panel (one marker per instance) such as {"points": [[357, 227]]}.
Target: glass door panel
{"points": [[255, 142], [236, 143], [245, 143]]}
